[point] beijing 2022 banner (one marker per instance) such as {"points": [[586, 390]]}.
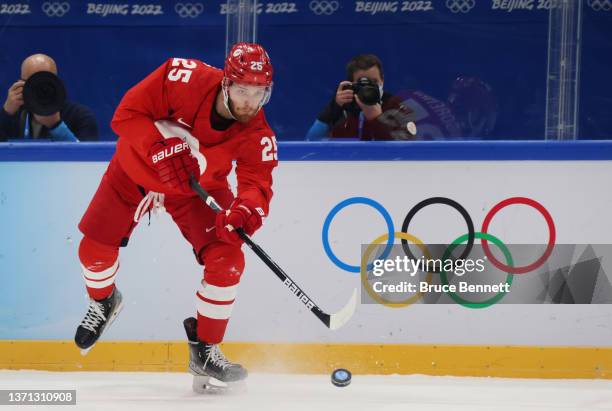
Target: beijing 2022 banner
{"points": [[65, 12]]}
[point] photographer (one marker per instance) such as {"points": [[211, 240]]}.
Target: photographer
{"points": [[29, 118], [361, 109]]}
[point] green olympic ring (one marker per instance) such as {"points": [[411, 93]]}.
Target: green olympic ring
{"points": [[509, 277]]}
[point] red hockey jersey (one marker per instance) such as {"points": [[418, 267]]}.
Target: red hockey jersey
{"points": [[184, 92]]}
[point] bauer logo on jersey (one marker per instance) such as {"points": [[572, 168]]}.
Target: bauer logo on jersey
{"points": [[169, 152]]}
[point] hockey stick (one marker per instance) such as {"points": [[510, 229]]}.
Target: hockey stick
{"points": [[332, 321]]}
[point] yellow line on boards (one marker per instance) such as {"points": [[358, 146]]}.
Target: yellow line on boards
{"points": [[457, 360]]}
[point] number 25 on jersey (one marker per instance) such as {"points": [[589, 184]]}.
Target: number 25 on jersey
{"points": [[182, 70], [269, 150]]}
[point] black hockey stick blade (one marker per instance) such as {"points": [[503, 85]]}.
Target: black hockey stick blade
{"points": [[332, 321]]}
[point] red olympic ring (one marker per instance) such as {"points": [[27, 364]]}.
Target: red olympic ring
{"points": [[551, 235]]}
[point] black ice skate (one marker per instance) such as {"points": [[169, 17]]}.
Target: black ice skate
{"points": [[211, 370], [100, 315]]}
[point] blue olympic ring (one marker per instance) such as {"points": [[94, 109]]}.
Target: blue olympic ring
{"points": [[356, 200]]}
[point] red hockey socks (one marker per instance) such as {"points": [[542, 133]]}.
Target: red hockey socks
{"points": [[99, 265], [224, 264]]}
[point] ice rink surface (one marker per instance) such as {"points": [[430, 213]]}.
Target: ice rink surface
{"points": [[172, 391]]}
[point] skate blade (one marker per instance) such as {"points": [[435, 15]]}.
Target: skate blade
{"points": [[209, 385], [85, 351]]}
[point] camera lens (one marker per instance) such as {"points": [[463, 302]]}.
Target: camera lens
{"points": [[369, 95], [45, 93]]}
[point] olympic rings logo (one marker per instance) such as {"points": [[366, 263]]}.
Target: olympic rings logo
{"points": [[55, 9], [460, 6], [189, 10], [483, 235], [323, 7], [600, 5]]}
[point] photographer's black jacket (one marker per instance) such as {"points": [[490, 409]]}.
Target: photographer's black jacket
{"points": [[79, 119], [390, 125]]}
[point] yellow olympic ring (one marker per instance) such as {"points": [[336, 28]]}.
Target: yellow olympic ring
{"points": [[364, 271]]}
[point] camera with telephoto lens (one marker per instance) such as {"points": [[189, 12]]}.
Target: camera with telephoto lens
{"points": [[366, 89], [44, 93]]}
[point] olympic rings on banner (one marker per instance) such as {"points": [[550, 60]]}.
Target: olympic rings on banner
{"points": [[189, 10], [55, 8], [470, 235], [323, 7], [364, 271], [551, 234], [483, 237], [448, 202], [356, 200]]}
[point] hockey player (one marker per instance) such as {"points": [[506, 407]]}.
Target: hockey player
{"points": [[185, 119]]}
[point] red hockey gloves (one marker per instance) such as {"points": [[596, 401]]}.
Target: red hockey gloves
{"points": [[174, 163], [241, 214]]}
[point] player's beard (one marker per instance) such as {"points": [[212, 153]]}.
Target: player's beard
{"points": [[243, 114]]}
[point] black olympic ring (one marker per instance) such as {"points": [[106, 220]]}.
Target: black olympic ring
{"points": [[448, 202]]}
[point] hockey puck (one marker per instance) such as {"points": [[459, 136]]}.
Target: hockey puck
{"points": [[341, 377]]}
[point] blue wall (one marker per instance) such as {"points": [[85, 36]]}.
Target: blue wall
{"points": [[101, 57]]}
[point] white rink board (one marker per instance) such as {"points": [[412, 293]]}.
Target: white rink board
{"points": [[42, 203]]}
